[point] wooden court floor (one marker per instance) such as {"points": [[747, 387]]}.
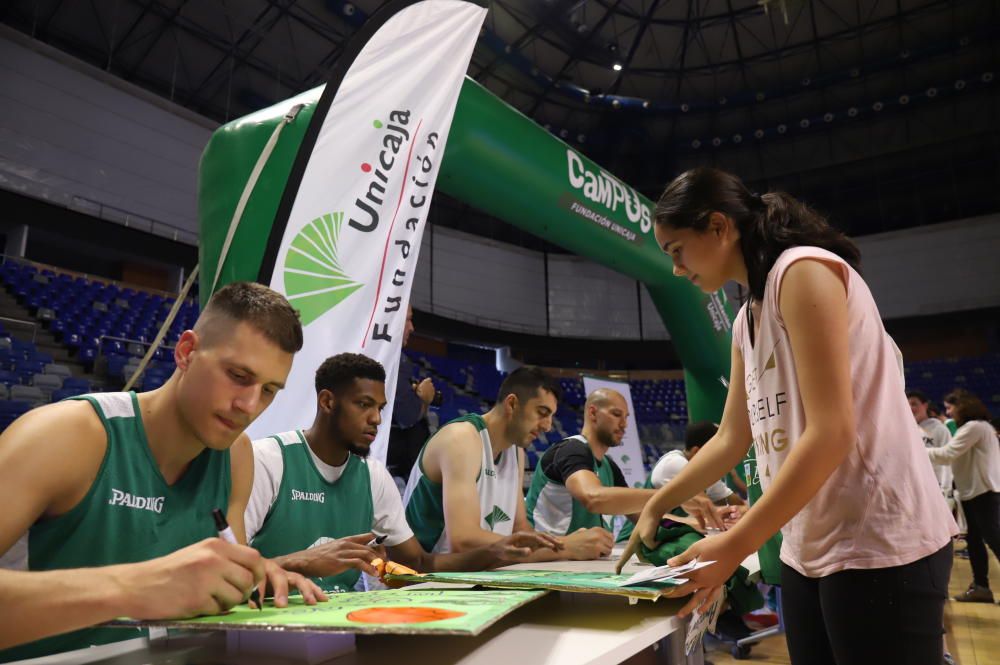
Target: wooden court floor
{"points": [[973, 629]]}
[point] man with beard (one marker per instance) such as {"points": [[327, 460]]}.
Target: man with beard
{"points": [[576, 485], [318, 499], [465, 490]]}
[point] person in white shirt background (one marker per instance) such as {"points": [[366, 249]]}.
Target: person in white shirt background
{"points": [[974, 456], [936, 435]]}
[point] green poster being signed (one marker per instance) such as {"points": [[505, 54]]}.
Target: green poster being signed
{"points": [[417, 611]]}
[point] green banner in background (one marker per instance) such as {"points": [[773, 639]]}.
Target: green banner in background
{"points": [[225, 168], [505, 164]]}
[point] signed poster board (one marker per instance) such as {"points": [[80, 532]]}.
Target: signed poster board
{"points": [[402, 611]]}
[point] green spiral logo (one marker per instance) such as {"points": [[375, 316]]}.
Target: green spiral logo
{"points": [[315, 281]]}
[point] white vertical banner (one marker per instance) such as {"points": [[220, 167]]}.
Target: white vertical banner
{"points": [[350, 246], [628, 456]]}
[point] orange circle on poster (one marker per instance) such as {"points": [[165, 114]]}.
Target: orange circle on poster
{"points": [[402, 615]]}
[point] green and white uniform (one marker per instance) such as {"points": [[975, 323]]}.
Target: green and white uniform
{"points": [[550, 506], [498, 485], [299, 502], [130, 514]]}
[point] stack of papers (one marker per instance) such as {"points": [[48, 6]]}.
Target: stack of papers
{"points": [[702, 622], [661, 573]]}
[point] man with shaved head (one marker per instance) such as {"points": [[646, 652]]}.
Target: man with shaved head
{"points": [[576, 485]]}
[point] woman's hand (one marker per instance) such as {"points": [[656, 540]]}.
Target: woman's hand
{"points": [[706, 583], [732, 514], [702, 508], [644, 532]]}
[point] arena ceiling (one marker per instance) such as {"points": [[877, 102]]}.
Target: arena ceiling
{"points": [[882, 113]]}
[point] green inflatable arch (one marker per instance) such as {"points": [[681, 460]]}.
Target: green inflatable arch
{"points": [[503, 163]]}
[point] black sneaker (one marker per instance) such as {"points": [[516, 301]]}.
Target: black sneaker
{"points": [[975, 594], [729, 627]]}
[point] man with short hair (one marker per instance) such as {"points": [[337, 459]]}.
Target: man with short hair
{"points": [[113, 492], [576, 484], [671, 464], [318, 499], [935, 435], [465, 490]]}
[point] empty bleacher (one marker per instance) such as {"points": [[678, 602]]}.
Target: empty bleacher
{"points": [[63, 334], [979, 374]]}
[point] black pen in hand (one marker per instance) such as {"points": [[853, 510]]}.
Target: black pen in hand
{"points": [[375, 542], [226, 533]]}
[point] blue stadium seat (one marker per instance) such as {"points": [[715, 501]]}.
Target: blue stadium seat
{"points": [[76, 384], [24, 349], [23, 366], [87, 357], [11, 410]]}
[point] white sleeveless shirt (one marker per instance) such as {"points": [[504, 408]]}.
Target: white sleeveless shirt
{"points": [[498, 486]]}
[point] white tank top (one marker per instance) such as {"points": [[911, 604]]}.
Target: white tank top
{"points": [[498, 487]]}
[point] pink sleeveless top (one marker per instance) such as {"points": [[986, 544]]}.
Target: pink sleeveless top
{"points": [[882, 506]]}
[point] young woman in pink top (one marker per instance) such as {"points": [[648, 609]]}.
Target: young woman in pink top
{"points": [[815, 387]]}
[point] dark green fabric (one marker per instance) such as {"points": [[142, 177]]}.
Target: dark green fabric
{"points": [[629, 526], [770, 563], [743, 594], [626, 531], [731, 484]]}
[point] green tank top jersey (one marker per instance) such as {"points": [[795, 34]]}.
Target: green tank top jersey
{"points": [[740, 470], [770, 563], [550, 506], [309, 511], [130, 514]]}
